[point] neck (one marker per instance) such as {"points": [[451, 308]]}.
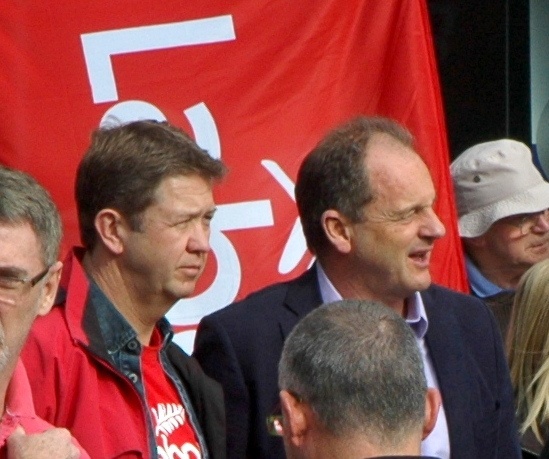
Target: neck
{"points": [[506, 278], [359, 447], [124, 294], [352, 286], [6, 373]]}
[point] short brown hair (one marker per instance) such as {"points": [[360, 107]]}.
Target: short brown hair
{"points": [[125, 164]]}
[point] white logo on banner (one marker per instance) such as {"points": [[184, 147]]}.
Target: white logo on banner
{"points": [[98, 49]]}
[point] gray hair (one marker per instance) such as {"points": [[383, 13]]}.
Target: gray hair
{"points": [[23, 200], [357, 364]]}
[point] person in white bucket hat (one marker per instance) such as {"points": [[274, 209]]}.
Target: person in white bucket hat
{"points": [[502, 201]]}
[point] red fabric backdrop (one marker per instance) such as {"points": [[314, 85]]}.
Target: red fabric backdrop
{"points": [[257, 83]]}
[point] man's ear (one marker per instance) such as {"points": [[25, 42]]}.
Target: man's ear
{"points": [[295, 421], [433, 401], [337, 230], [111, 227], [50, 288]]}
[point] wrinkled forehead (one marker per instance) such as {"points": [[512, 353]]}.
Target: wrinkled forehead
{"points": [[183, 193], [389, 160], [19, 242]]}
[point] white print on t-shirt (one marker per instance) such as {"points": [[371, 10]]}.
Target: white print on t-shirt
{"points": [[168, 417], [187, 450]]}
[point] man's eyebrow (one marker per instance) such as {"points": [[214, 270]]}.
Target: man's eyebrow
{"points": [[209, 211], [195, 214], [409, 210]]}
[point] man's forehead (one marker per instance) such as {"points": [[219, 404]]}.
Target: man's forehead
{"points": [[183, 193], [184, 182], [401, 181], [388, 155], [383, 145], [18, 242], [21, 227]]}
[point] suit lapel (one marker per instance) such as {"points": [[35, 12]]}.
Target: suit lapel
{"points": [[445, 345], [302, 297]]}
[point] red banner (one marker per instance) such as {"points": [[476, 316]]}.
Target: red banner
{"points": [[257, 83]]}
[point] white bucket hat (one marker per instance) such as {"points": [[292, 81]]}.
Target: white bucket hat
{"points": [[494, 180]]}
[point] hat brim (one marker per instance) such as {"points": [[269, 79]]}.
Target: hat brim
{"points": [[476, 223]]}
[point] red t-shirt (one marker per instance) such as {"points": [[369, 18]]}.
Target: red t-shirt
{"points": [[175, 436]]}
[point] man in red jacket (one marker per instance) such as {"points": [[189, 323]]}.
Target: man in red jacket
{"points": [[30, 232], [103, 361]]}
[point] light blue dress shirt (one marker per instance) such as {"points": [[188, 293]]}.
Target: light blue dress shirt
{"points": [[438, 442], [480, 286]]}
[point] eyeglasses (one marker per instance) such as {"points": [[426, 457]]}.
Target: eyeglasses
{"points": [[525, 222], [274, 425], [274, 420], [12, 287]]}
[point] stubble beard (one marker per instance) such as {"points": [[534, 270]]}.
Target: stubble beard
{"points": [[4, 352]]}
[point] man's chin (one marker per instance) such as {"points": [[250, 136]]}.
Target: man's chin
{"points": [[422, 283], [185, 290]]}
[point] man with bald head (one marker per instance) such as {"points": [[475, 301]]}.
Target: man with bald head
{"points": [[365, 198]]}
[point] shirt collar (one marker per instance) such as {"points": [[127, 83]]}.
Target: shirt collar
{"points": [[416, 315], [480, 286], [115, 329], [328, 292], [18, 401]]}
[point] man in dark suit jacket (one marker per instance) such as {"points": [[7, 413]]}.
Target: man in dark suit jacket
{"points": [[365, 200]]}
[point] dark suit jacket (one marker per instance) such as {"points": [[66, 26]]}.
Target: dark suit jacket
{"points": [[240, 346], [206, 399]]}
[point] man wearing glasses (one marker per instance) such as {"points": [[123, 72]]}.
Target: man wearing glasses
{"points": [[502, 202], [30, 233]]}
